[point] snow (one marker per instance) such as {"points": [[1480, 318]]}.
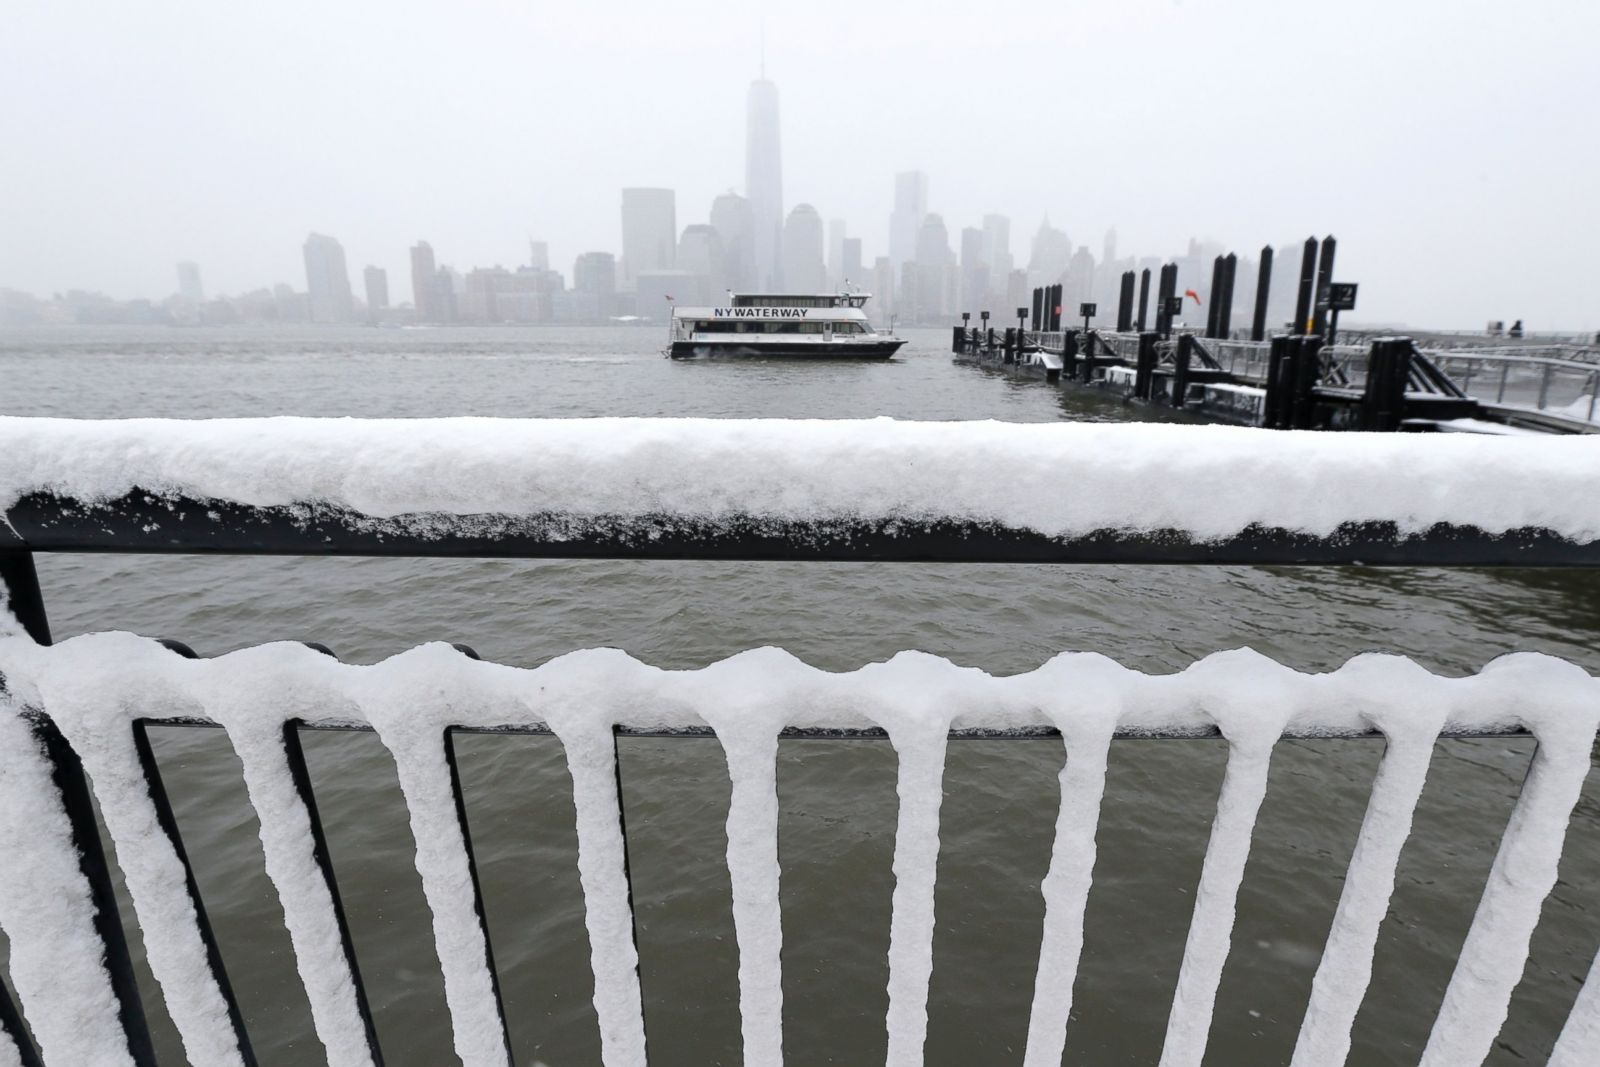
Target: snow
{"points": [[1144, 476], [92, 694], [47, 914], [96, 685]]}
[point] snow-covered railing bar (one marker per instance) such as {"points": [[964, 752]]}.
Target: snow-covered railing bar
{"points": [[146, 523], [487, 481], [97, 687]]}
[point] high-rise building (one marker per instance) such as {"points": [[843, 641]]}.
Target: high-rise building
{"points": [[974, 270], [700, 257], [189, 283], [423, 270], [328, 280], [836, 235], [594, 278], [763, 181], [377, 285], [997, 246], [538, 255], [730, 214], [935, 271], [1051, 252], [803, 268], [910, 207], [850, 269], [649, 231]]}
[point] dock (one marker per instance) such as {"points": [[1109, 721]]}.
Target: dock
{"points": [[1318, 379]]}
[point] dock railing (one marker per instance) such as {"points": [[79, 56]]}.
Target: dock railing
{"points": [[74, 717]]}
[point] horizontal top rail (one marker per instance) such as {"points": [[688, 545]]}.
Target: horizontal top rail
{"points": [[777, 489]]}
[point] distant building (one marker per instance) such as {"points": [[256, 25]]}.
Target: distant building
{"points": [[328, 280], [377, 285], [763, 182], [997, 246], [974, 271], [730, 214], [910, 207], [836, 236], [538, 255], [850, 267], [700, 255], [423, 285], [803, 268], [1051, 252], [189, 287], [594, 280], [649, 231]]}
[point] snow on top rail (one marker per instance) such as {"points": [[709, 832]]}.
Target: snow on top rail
{"points": [[1060, 480]]}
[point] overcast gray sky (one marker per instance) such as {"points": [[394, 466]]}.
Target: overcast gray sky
{"points": [[1450, 144]]}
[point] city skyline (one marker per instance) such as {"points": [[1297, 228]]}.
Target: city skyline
{"points": [[202, 152]]}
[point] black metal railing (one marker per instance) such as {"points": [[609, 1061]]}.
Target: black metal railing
{"points": [[45, 523]]}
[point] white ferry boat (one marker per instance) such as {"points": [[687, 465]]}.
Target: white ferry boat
{"points": [[806, 325]]}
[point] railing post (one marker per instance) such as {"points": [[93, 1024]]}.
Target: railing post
{"points": [[1594, 393], [1145, 366], [1319, 312], [1180, 369], [1307, 368], [11, 1030], [1544, 385], [1308, 274], [1230, 267], [1258, 322], [20, 581], [1214, 297], [1274, 385]]}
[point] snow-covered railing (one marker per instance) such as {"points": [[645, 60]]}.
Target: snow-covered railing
{"points": [[667, 488]]}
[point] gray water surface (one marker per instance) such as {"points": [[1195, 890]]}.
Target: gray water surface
{"points": [[838, 799]]}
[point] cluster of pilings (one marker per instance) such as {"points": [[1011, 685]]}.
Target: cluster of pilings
{"points": [[1313, 313]]}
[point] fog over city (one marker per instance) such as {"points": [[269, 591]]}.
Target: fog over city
{"points": [[1449, 145]]}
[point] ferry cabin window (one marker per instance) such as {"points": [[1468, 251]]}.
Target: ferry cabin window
{"points": [[747, 326]]}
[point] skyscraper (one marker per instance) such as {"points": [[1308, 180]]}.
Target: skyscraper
{"points": [[763, 181], [836, 235], [422, 283], [997, 246], [328, 280], [189, 283], [730, 214], [803, 269], [851, 270], [538, 255], [910, 207], [649, 231], [700, 256], [594, 276], [377, 283]]}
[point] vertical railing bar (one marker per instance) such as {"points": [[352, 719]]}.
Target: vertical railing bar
{"points": [[169, 826], [20, 580], [627, 874], [295, 756], [11, 1028], [477, 890]]}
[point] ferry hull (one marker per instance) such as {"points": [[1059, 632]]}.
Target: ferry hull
{"points": [[785, 350]]}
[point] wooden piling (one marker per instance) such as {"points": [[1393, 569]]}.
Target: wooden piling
{"points": [[1180, 369]]}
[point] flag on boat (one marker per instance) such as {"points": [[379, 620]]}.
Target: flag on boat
{"points": [[1191, 292]]}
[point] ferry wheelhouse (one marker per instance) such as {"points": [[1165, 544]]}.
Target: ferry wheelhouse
{"points": [[806, 325]]}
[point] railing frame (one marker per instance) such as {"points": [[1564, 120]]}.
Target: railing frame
{"points": [[42, 523]]}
